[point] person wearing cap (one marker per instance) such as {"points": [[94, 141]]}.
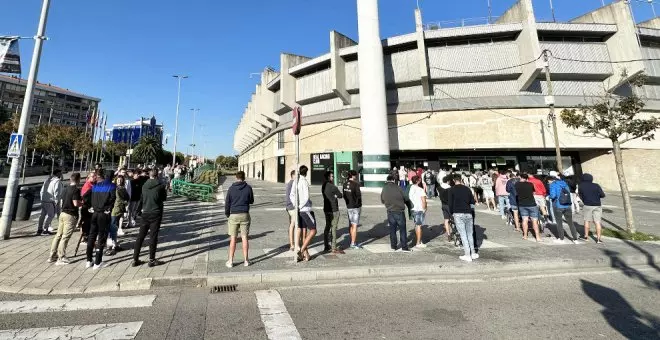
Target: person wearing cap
{"points": [[560, 196]]}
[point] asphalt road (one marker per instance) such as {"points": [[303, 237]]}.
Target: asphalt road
{"points": [[579, 305]]}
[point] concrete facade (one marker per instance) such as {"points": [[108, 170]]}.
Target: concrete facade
{"points": [[454, 94]]}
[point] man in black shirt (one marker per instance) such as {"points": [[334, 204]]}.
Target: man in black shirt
{"points": [[353, 198], [461, 203], [71, 201], [527, 206], [331, 210], [396, 201], [443, 190]]}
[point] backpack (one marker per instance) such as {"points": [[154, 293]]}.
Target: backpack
{"points": [[564, 197], [428, 178]]}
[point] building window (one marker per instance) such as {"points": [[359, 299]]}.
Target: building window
{"points": [[280, 140]]}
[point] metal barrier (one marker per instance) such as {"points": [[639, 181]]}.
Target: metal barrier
{"points": [[197, 192]]}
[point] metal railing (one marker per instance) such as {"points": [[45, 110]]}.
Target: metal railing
{"points": [[192, 191], [436, 25]]}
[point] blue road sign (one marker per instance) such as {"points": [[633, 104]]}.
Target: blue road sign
{"points": [[15, 145]]}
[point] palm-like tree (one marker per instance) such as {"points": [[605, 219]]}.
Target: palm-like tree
{"points": [[147, 149]]}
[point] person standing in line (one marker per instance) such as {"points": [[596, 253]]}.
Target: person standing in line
{"points": [[447, 183], [591, 194], [402, 177], [486, 184], [395, 202], [540, 193], [560, 196], [429, 180], [472, 181], [102, 200], [461, 203], [85, 214], [71, 201], [411, 174], [353, 197], [135, 196], [513, 199], [527, 206], [575, 199], [51, 192], [121, 202], [306, 217], [502, 195], [418, 198], [331, 194], [153, 198], [291, 211]]}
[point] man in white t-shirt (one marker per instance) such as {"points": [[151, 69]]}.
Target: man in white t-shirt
{"points": [[418, 198]]}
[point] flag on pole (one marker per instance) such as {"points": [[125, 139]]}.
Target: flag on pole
{"points": [[10, 57]]}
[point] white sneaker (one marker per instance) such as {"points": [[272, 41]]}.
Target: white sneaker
{"points": [[246, 263], [475, 256], [89, 264], [229, 264], [577, 242], [50, 229], [99, 266], [465, 258], [421, 245], [557, 241]]}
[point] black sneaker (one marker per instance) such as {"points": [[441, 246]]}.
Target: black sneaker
{"points": [[110, 252], [137, 263], [153, 263], [39, 232]]}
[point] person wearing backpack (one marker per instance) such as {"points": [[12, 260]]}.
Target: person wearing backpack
{"points": [[560, 196]]}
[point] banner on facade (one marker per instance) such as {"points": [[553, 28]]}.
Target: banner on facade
{"points": [[10, 58]]}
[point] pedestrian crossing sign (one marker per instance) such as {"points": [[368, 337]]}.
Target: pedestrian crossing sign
{"points": [[15, 145]]}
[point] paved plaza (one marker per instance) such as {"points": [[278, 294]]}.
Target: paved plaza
{"points": [[193, 244]]}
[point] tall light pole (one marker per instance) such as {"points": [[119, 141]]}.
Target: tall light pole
{"points": [[176, 122], [12, 184], [194, 112]]}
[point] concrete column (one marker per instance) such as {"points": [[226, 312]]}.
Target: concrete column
{"points": [[373, 104], [287, 81], [529, 46], [338, 65], [622, 45], [422, 54]]}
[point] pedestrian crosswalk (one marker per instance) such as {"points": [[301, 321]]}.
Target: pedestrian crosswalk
{"points": [[122, 330]]}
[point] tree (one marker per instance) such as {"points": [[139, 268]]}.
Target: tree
{"points": [[52, 140], [619, 119], [147, 149]]}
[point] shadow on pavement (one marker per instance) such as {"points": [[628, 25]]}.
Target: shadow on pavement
{"points": [[620, 315]]}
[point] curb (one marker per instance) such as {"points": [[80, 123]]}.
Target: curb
{"points": [[307, 276]]}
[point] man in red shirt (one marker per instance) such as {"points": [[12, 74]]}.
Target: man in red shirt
{"points": [[85, 215], [539, 194]]}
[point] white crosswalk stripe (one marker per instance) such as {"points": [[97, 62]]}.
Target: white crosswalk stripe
{"points": [[125, 330], [67, 305], [118, 331], [276, 319]]}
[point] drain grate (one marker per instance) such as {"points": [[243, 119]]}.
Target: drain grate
{"points": [[224, 289]]}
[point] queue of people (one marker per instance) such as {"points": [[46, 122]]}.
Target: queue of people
{"points": [[99, 209]]}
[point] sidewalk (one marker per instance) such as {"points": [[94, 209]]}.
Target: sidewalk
{"points": [[193, 244]]}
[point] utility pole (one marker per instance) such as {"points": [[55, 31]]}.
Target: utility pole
{"points": [[12, 184], [550, 101], [176, 121], [194, 111]]}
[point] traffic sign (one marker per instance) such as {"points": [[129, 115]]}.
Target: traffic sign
{"points": [[15, 145], [297, 120]]}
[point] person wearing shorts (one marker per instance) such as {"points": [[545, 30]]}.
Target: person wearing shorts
{"points": [[237, 209], [353, 198], [591, 194], [527, 206], [291, 210], [306, 218], [443, 193], [513, 197], [419, 201]]}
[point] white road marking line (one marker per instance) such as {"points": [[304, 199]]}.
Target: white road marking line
{"points": [[485, 244], [652, 211], [66, 305], [378, 248], [276, 319], [127, 330]]}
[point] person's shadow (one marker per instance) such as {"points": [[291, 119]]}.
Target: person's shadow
{"points": [[620, 314]]}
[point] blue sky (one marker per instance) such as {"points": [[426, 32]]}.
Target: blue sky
{"points": [[125, 51]]}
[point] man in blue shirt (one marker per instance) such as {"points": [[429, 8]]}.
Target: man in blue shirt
{"points": [[237, 209], [560, 195]]}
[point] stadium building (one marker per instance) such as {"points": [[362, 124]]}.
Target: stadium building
{"points": [[468, 98]]}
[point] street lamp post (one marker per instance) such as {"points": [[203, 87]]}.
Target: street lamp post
{"points": [[194, 111], [176, 122], [12, 184]]}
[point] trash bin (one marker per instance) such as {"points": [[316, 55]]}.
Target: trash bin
{"points": [[24, 203]]}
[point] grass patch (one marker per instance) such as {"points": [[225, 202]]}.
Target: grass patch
{"points": [[624, 235]]}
